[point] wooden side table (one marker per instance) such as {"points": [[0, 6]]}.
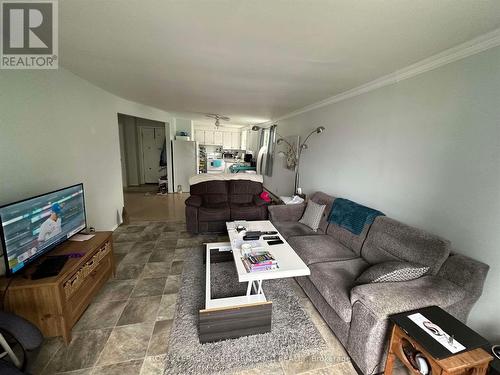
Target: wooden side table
{"points": [[405, 333], [472, 362]]}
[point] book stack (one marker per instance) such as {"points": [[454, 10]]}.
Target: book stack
{"points": [[259, 261]]}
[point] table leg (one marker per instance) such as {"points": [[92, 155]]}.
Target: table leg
{"points": [[258, 287], [249, 288], [389, 364]]}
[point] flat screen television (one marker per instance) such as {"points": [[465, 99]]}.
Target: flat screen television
{"points": [[31, 227]]}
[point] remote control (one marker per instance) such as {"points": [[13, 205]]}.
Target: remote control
{"points": [[275, 242], [267, 238]]}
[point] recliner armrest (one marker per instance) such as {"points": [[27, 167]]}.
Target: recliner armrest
{"points": [[385, 299], [286, 212], [194, 201]]}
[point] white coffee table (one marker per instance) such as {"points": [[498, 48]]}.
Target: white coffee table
{"points": [[251, 313]]}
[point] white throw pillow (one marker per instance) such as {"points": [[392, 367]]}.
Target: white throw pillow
{"points": [[312, 215]]}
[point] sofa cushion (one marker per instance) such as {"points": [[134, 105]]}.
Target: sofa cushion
{"points": [[392, 271], [346, 237], [292, 228], [323, 199], [312, 215], [214, 212], [334, 281], [247, 211], [243, 191], [390, 239], [213, 192], [320, 248]]}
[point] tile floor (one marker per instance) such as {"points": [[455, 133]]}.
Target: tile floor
{"points": [[125, 330]]}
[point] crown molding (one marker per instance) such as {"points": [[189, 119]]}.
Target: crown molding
{"points": [[461, 51]]}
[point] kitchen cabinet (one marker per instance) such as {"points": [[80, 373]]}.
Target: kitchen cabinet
{"points": [[226, 140], [218, 138], [244, 135], [235, 140], [209, 137]]}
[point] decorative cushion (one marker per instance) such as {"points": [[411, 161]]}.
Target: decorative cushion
{"points": [[392, 271], [312, 215]]}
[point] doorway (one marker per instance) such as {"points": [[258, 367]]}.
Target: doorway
{"points": [[152, 141], [144, 152]]}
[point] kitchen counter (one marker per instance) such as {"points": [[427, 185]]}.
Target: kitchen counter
{"points": [[233, 160]]}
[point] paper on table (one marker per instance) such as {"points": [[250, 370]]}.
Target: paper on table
{"points": [[439, 335], [81, 237], [254, 243]]}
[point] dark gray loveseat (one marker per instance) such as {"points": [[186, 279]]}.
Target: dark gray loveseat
{"points": [[357, 314], [216, 199]]}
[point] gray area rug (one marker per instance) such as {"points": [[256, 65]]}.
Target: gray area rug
{"points": [[293, 333]]}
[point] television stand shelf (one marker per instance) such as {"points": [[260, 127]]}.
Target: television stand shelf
{"points": [[54, 304]]}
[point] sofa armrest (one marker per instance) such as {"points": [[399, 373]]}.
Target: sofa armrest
{"points": [[286, 212], [194, 201], [466, 272], [385, 299]]}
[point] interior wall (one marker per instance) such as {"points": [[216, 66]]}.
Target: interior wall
{"points": [[425, 151], [131, 149], [123, 153], [58, 130]]}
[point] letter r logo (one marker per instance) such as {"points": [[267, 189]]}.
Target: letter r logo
{"points": [[27, 27]]}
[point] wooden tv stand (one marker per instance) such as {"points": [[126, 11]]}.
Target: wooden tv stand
{"points": [[54, 304]]}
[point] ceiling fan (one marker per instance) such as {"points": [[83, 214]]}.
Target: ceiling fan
{"points": [[217, 118]]}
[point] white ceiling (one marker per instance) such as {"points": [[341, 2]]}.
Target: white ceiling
{"points": [[260, 59]]}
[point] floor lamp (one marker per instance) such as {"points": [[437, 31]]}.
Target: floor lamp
{"points": [[303, 147], [293, 153]]}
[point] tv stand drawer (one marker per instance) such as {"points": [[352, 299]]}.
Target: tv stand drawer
{"points": [[88, 288], [81, 275]]}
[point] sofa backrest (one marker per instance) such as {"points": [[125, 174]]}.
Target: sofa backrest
{"points": [[212, 192], [389, 239], [346, 238], [322, 198], [243, 191]]}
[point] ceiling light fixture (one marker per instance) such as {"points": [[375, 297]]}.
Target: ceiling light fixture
{"points": [[217, 118]]}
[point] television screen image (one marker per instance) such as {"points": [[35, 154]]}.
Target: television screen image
{"points": [[34, 226]]}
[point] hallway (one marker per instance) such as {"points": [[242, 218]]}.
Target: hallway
{"points": [[148, 206]]}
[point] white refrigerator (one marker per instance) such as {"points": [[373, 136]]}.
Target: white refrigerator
{"points": [[184, 163]]}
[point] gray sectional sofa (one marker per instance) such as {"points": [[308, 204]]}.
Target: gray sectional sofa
{"points": [[358, 314]]}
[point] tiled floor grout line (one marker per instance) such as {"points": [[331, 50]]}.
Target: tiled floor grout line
{"points": [[154, 324], [107, 340], [187, 242]]}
